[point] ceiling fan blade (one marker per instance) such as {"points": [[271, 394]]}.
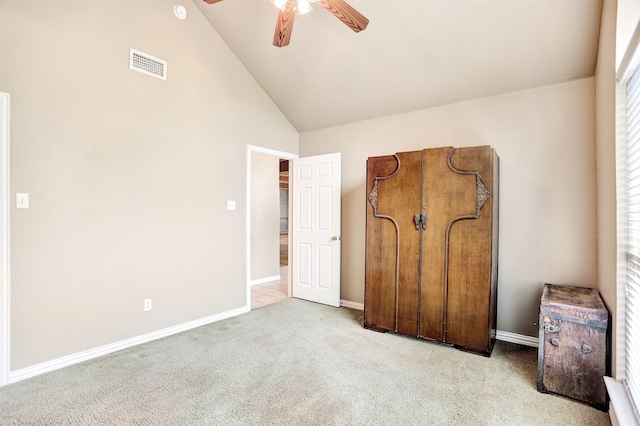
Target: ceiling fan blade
{"points": [[284, 24], [346, 13], [211, 1]]}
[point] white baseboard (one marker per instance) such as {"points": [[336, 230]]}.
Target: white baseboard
{"points": [[505, 336], [45, 367], [520, 339], [352, 305], [265, 280]]}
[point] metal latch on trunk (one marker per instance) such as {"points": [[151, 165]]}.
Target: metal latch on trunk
{"points": [[550, 328], [586, 349]]}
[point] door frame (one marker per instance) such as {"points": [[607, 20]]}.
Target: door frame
{"points": [[4, 240], [272, 153]]}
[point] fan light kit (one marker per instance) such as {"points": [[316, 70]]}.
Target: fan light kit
{"points": [[301, 6], [287, 10]]}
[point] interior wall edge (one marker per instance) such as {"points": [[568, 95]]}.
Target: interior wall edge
{"points": [[5, 204]]}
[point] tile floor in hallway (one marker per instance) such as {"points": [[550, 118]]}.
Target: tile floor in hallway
{"points": [[271, 292], [274, 291]]}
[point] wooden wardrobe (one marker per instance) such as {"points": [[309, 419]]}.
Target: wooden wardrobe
{"points": [[432, 245]]}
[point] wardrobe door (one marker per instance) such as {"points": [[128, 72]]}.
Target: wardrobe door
{"points": [[470, 289], [380, 252], [393, 242], [448, 196], [431, 245]]}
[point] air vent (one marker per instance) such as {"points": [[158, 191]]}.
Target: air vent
{"points": [[147, 64]]}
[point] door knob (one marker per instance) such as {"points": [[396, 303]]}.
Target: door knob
{"points": [[334, 238]]}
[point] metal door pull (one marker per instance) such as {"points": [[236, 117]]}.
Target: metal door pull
{"points": [[420, 218]]}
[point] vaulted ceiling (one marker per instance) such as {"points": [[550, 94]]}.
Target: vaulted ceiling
{"points": [[414, 54]]}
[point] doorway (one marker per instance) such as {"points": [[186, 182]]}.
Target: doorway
{"points": [[264, 288], [276, 290]]}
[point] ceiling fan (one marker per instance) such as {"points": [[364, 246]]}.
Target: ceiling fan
{"points": [[287, 12]]}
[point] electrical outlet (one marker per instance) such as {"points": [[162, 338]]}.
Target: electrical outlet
{"points": [[147, 304]]}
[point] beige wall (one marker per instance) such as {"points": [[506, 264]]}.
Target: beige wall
{"points": [[128, 175], [265, 216], [545, 139], [606, 160]]}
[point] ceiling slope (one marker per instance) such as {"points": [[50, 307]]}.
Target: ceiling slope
{"points": [[414, 54]]}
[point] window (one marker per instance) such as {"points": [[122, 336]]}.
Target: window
{"points": [[632, 284]]}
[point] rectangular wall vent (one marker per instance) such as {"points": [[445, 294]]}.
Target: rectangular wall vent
{"points": [[147, 64]]}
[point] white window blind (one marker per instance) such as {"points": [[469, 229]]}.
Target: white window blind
{"points": [[632, 285]]}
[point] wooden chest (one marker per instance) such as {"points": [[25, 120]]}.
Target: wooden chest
{"points": [[573, 345]]}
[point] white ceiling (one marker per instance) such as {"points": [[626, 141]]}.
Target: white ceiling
{"points": [[414, 54]]}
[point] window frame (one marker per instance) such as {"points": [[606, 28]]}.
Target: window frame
{"points": [[625, 411]]}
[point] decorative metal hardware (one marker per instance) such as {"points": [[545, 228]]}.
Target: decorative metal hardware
{"points": [[550, 328], [482, 194], [555, 342], [418, 219], [373, 197], [586, 349]]}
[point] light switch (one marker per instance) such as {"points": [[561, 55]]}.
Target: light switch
{"points": [[231, 205], [22, 200]]}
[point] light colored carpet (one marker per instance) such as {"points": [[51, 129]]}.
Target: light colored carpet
{"points": [[294, 363]]}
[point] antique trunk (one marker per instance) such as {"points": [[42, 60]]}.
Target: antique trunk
{"points": [[431, 245], [573, 346]]}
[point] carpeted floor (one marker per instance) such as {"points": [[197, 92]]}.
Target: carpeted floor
{"points": [[294, 363]]}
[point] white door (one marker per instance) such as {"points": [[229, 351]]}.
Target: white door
{"points": [[316, 228]]}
